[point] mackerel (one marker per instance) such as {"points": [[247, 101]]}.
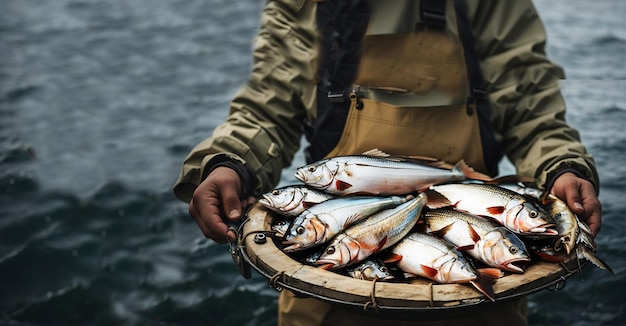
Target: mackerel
{"points": [[323, 221], [374, 234], [375, 175]]}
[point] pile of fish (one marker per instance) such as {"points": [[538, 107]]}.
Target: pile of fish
{"points": [[375, 216]]}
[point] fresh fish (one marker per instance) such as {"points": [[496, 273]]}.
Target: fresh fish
{"points": [[569, 227], [293, 200], [513, 210], [523, 189], [481, 238], [323, 221], [374, 234], [434, 258], [364, 174], [369, 270], [573, 234], [571, 230], [280, 228], [545, 250]]}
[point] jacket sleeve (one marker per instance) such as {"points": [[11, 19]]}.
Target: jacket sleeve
{"points": [[263, 128], [528, 109]]}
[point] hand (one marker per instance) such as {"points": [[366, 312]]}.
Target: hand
{"points": [[218, 193], [580, 196]]}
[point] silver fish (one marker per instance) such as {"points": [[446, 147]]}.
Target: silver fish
{"points": [[511, 209], [376, 233], [574, 234], [483, 239], [293, 200], [370, 270], [434, 258], [363, 174], [280, 228], [323, 221]]}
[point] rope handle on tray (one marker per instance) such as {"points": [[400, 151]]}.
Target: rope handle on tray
{"points": [[372, 304]]}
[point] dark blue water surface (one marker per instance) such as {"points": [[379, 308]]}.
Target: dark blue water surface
{"points": [[101, 100]]}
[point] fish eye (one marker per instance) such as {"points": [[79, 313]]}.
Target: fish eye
{"points": [[300, 229], [276, 192], [513, 249], [311, 168], [533, 214], [384, 269], [330, 250]]}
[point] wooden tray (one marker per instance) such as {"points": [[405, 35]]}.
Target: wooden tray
{"points": [[421, 297]]}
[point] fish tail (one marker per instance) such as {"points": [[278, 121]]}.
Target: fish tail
{"points": [[469, 172], [435, 199], [584, 252]]}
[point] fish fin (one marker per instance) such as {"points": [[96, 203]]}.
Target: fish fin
{"points": [[583, 226], [473, 234], [381, 244], [547, 199], [492, 273], [392, 258], [469, 172], [465, 248], [375, 247], [496, 210], [351, 220], [342, 185], [442, 232], [590, 256], [420, 226], [375, 152], [435, 199], [429, 271], [491, 218], [484, 283], [425, 159], [326, 266], [308, 204]]}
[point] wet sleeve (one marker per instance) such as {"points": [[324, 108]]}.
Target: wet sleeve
{"points": [[528, 109], [263, 128]]}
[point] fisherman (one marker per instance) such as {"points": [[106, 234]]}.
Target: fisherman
{"points": [[447, 79]]}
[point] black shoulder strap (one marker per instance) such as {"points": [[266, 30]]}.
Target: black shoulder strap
{"points": [[433, 13], [477, 85], [478, 94]]}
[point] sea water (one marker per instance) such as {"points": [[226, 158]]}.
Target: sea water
{"points": [[100, 101]]}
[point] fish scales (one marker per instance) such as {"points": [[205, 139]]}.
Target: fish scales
{"points": [[293, 200], [482, 238], [361, 174], [511, 209], [374, 234], [434, 258], [323, 221]]}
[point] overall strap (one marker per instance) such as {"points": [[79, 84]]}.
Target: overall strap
{"points": [[433, 13], [341, 26], [477, 101]]}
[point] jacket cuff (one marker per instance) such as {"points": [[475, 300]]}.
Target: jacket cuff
{"points": [[246, 174], [564, 168]]}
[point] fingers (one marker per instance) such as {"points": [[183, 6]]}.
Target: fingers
{"points": [[211, 224], [215, 202], [580, 196], [592, 209]]}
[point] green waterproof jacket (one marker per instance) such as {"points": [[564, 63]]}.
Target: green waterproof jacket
{"points": [[264, 127]]}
